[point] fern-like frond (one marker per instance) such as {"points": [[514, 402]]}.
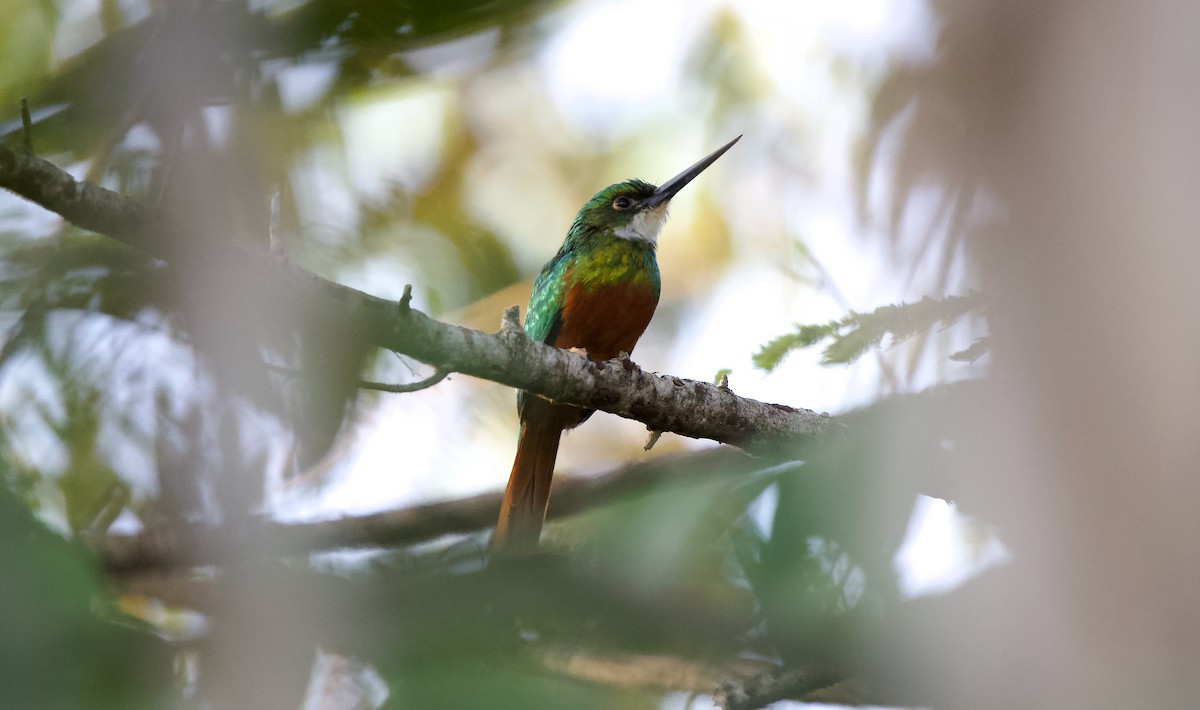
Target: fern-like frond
{"points": [[856, 333]]}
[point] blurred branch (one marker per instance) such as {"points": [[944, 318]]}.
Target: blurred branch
{"points": [[757, 682], [776, 684], [161, 548], [650, 671], [687, 407]]}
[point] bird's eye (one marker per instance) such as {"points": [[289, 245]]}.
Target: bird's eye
{"points": [[622, 203]]}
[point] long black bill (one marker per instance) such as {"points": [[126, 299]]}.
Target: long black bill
{"points": [[668, 189]]}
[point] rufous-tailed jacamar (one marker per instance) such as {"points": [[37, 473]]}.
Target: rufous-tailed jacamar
{"points": [[597, 294]]}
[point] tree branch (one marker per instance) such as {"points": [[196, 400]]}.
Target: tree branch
{"points": [[84, 204], [163, 548], [645, 671], [776, 684], [687, 407], [756, 682]]}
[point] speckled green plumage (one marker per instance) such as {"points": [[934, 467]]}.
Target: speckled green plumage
{"points": [[592, 255]]}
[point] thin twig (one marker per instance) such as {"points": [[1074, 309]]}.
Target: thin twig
{"points": [[405, 388], [26, 126], [417, 386]]}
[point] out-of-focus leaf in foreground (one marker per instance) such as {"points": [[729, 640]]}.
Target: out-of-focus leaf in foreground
{"points": [[57, 653]]}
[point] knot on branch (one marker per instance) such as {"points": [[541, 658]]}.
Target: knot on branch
{"points": [[628, 364], [604, 397], [510, 322]]}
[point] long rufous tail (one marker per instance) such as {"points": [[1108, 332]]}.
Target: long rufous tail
{"points": [[524, 508]]}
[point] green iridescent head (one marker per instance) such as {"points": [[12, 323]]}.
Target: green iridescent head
{"points": [[635, 209]]}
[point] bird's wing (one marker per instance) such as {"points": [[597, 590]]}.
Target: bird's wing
{"points": [[544, 318]]}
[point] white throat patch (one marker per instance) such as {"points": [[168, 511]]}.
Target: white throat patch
{"points": [[645, 225]]}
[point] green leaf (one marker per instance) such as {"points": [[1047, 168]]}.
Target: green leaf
{"points": [[771, 354], [57, 653], [856, 333]]}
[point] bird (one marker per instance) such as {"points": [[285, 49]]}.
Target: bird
{"points": [[597, 295]]}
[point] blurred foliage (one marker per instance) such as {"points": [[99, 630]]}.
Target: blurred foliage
{"points": [[185, 57], [931, 114], [181, 106], [121, 395], [58, 652], [856, 333], [679, 571]]}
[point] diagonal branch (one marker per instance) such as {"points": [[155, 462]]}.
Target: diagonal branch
{"points": [[84, 204], [159, 549], [664, 403], [774, 685]]}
